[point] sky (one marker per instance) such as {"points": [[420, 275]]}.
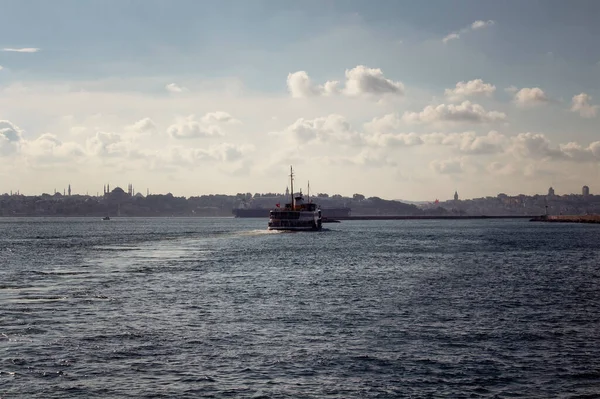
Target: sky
{"points": [[397, 99]]}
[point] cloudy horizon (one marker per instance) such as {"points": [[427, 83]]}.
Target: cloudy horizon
{"points": [[409, 100]]}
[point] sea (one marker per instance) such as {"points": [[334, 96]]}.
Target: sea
{"points": [[221, 307]]}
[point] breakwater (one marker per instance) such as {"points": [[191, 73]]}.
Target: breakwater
{"points": [[567, 218]]}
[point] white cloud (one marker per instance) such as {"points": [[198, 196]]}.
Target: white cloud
{"points": [[175, 88], [300, 85], [511, 89], [22, 50], [189, 128], [465, 112], [10, 138], [394, 139], [219, 117], [105, 144], [364, 80], [501, 169], [469, 142], [224, 152], [447, 166], [368, 158], [576, 152], [479, 24], [382, 124], [331, 87], [531, 96], [359, 80], [1, 67], [145, 125], [48, 148], [332, 128], [470, 88], [581, 104], [533, 145], [451, 36]]}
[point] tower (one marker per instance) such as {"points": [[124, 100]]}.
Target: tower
{"points": [[585, 191], [287, 191], [550, 192], [456, 196], [69, 191]]}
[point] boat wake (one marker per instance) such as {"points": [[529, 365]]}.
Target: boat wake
{"points": [[258, 232]]}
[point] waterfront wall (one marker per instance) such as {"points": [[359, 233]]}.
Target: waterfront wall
{"points": [[568, 218]]}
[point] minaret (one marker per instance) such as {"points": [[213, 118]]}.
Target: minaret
{"points": [[287, 191], [69, 190]]}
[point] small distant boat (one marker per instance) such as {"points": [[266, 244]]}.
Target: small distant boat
{"points": [[297, 215], [106, 218]]}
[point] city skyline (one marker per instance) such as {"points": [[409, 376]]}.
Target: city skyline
{"points": [[131, 191], [411, 100]]}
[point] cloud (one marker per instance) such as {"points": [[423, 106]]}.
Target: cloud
{"points": [[501, 169], [481, 24], [470, 88], [367, 158], [105, 144], [581, 104], [300, 85], [511, 89], [469, 142], [477, 25], [145, 125], [465, 112], [394, 139], [576, 152], [22, 50], [189, 128], [363, 80], [451, 36], [448, 166], [359, 80], [219, 117], [174, 88], [10, 138], [223, 152], [531, 96], [48, 148], [386, 123], [330, 129], [1, 67]]}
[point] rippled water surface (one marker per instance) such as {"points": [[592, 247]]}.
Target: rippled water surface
{"points": [[223, 308]]}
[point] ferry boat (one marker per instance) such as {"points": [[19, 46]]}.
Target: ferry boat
{"points": [[297, 215]]}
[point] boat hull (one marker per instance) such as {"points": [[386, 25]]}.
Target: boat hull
{"points": [[295, 228]]}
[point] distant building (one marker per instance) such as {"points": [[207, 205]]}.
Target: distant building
{"points": [[585, 190], [69, 191], [550, 192], [456, 196]]}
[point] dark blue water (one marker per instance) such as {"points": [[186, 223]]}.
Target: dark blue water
{"points": [[193, 308]]}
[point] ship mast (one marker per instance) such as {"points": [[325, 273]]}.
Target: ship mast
{"points": [[292, 185]]}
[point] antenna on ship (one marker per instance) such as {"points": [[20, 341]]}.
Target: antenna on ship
{"points": [[292, 185]]}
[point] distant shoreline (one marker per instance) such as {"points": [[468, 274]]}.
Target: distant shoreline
{"points": [[346, 218]]}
